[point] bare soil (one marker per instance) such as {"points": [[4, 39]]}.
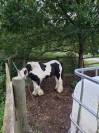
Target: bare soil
{"points": [[50, 113]]}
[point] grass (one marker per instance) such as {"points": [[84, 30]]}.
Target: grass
{"points": [[54, 54], [94, 65], [90, 62], [1, 115], [2, 96]]}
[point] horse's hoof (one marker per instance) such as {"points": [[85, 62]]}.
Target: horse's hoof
{"points": [[34, 93], [60, 90], [40, 92]]}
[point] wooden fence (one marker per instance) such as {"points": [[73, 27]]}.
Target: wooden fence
{"points": [[15, 120], [9, 113]]}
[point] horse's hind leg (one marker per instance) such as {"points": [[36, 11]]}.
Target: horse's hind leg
{"points": [[59, 78], [60, 85]]}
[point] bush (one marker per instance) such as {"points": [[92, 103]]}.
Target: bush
{"points": [[2, 93]]}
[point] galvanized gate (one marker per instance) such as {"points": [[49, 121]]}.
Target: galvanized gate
{"points": [[81, 73]]}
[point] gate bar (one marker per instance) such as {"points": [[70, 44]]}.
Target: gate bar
{"points": [[85, 107], [79, 73], [77, 126]]}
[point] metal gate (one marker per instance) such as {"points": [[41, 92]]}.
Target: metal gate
{"points": [[81, 73]]}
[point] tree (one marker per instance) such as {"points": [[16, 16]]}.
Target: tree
{"points": [[21, 26], [74, 19], [29, 24]]}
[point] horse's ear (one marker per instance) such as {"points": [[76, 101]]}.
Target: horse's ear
{"points": [[25, 72], [29, 67], [43, 66]]}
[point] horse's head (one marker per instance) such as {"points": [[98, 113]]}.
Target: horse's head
{"points": [[23, 73]]}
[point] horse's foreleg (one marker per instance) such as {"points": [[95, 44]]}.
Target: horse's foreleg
{"points": [[37, 89]]}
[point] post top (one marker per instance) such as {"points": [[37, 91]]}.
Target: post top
{"points": [[17, 78]]}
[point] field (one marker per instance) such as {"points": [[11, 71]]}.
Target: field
{"points": [[50, 113], [91, 62]]}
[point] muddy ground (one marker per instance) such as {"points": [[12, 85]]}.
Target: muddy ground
{"points": [[50, 113]]}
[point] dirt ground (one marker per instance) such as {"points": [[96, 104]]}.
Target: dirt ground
{"points": [[50, 113]]}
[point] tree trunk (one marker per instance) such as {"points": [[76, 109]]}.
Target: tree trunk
{"points": [[81, 51]]}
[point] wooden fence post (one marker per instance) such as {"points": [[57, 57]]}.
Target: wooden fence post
{"points": [[20, 103], [9, 113]]}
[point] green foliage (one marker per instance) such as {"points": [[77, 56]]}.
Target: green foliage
{"points": [[73, 19], [36, 27], [2, 92], [1, 115], [48, 25], [73, 84], [19, 15]]}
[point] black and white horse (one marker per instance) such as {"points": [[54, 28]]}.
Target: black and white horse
{"points": [[38, 71]]}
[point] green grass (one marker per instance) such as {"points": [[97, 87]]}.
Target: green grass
{"points": [[91, 62], [2, 95], [1, 115], [54, 54], [1, 109], [94, 65]]}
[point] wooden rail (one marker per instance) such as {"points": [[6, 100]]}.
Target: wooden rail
{"points": [[9, 113]]}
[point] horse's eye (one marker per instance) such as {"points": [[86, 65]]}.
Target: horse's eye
{"points": [[25, 72]]}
